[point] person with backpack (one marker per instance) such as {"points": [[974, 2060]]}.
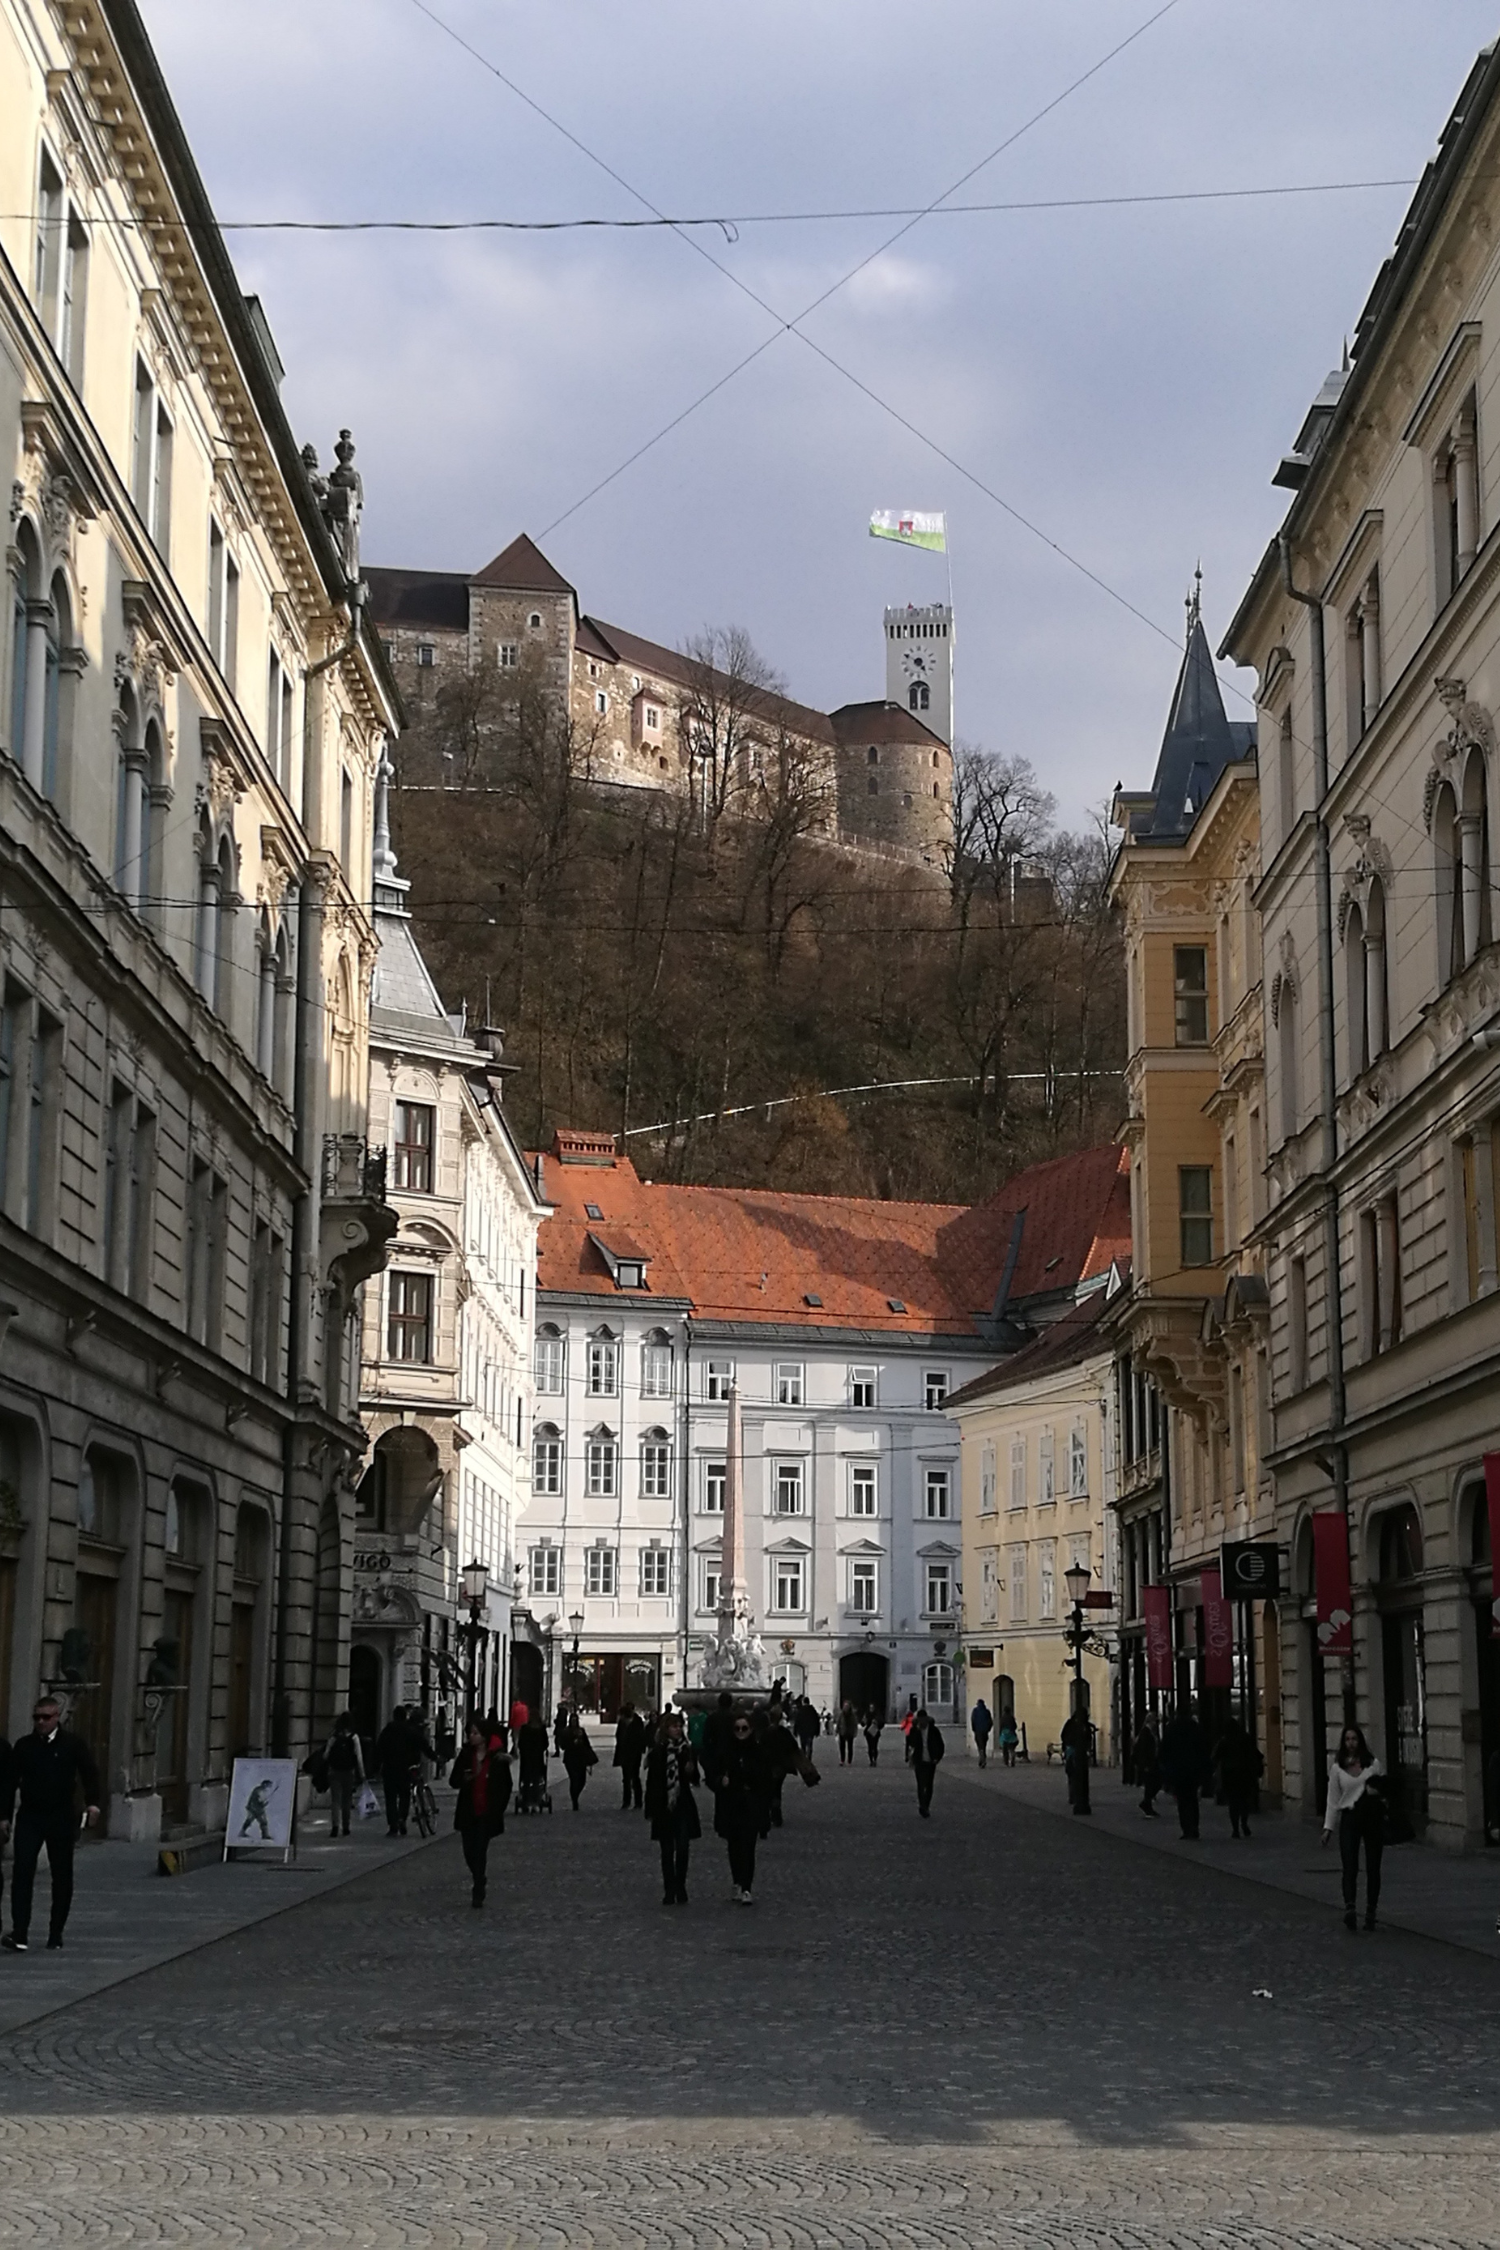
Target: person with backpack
{"points": [[344, 1764], [1009, 1737]]}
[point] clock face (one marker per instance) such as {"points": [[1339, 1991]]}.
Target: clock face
{"points": [[914, 664]]}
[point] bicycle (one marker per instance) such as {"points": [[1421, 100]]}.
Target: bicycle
{"points": [[423, 1807]]}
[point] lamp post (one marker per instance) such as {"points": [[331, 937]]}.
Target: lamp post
{"points": [[575, 1619], [475, 1580], [1076, 1578]]}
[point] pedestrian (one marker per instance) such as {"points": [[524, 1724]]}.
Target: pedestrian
{"points": [[981, 1726], [345, 1763], [1145, 1754], [47, 1769], [481, 1775], [577, 1757], [397, 1751], [924, 1748], [1077, 1749], [560, 1728], [848, 1729], [805, 1726], [519, 1714], [828, 1718], [1240, 1767], [1185, 1767], [874, 1725], [531, 1750], [671, 1774], [630, 1748], [782, 1757], [7, 1793], [1356, 1807], [1009, 1738], [741, 1787], [718, 1730]]}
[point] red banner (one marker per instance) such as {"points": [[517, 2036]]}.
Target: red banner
{"points": [[1335, 1597], [1218, 1632], [1156, 1601], [1492, 1493]]}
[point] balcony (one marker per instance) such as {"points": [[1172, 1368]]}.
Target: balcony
{"points": [[357, 1222]]}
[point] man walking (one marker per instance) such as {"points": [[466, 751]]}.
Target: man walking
{"points": [[1185, 1767], [46, 1769], [981, 1726], [396, 1754], [630, 1748], [1145, 1753], [848, 1729], [805, 1726], [924, 1747]]}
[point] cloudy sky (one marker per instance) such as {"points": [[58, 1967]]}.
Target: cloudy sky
{"points": [[1124, 376]]}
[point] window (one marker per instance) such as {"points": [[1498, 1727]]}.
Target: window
{"points": [[410, 1327], [1046, 1470], [862, 1594], [203, 1253], [718, 1379], [656, 1369], [936, 1486], [218, 564], [862, 1386], [872, 756], [710, 1578], [919, 696], [426, 656], [602, 1461], [713, 1488], [510, 656], [549, 1362], [1284, 1008], [937, 1686], [786, 1584], [414, 1135], [1380, 1276], [535, 621], [1078, 1465], [546, 1462], [1296, 1309], [786, 1492], [1286, 773], [987, 1481], [862, 1489], [129, 1187], [1046, 1579], [1455, 498], [603, 1367], [601, 1571], [989, 1587], [788, 1386], [939, 1590], [1015, 1573], [656, 1570], [47, 262], [544, 1570], [1363, 682], [601, 701], [653, 717], [1195, 1204], [1190, 989], [935, 1389], [656, 1466], [1018, 1472]]}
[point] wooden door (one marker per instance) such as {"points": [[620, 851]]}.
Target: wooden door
{"points": [[172, 1778], [95, 1607]]}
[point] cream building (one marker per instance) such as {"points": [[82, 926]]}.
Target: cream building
{"points": [[1037, 1451], [446, 1382], [191, 714], [1373, 624]]}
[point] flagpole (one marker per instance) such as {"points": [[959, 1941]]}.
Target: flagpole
{"points": [[952, 630]]}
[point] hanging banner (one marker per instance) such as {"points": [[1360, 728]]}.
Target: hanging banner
{"points": [[1156, 1602], [1492, 1494], [1335, 1596], [1218, 1632]]}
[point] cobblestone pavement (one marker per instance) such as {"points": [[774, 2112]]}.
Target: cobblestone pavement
{"points": [[989, 2029]]}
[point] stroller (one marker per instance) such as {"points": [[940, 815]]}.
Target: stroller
{"points": [[533, 1796]]}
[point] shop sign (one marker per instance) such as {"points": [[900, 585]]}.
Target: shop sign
{"points": [[1250, 1569], [1218, 1632], [375, 1561], [1335, 1594], [1156, 1601]]}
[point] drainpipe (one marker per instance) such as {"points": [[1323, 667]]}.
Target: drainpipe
{"points": [[1336, 1462], [308, 939]]}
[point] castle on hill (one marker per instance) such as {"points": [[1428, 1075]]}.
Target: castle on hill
{"points": [[886, 774]]}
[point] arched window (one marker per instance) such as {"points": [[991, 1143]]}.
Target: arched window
{"points": [[57, 699], [918, 696], [223, 997], [265, 1000], [283, 1060], [1474, 858], [937, 1686], [1355, 997], [1445, 861], [1377, 999], [1287, 1030], [206, 947]]}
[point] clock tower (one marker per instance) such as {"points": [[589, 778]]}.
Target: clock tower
{"points": [[919, 664]]}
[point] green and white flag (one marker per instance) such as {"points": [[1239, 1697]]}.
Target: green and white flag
{"points": [[910, 528]]}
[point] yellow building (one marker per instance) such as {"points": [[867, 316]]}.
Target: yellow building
{"points": [[1192, 1330], [1036, 1458]]}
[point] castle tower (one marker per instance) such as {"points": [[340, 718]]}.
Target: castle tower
{"points": [[919, 664]]}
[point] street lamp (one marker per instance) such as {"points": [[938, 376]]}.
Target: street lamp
{"points": [[475, 1581], [575, 1619], [1076, 1578]]}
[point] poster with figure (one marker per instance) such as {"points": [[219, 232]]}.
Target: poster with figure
{"points": [[262, 1805]]}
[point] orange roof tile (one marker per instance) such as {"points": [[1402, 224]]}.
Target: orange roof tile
{"points": [[755, 1255]]}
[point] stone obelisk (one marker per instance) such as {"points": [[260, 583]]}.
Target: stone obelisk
{"points": [[736, 1661]]}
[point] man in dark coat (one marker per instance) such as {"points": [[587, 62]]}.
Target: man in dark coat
{"points": [[396, 1754], [1145, 1754], [718, 1732], [1240, 1767], [805, 1725], [47, 1769], [671, 1772], [924, 1748], [630, 1748], [1185, 1766]]}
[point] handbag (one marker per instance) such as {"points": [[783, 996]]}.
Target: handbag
{"points": [[366, 1804]]}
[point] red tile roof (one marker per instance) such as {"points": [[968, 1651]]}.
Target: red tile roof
{"points": [[753, 1255], [1067, 1343], [881, 722]]}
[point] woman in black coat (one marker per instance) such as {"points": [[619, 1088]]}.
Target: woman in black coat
{"points": [[481, 1775], [577, 1756], [671, 1776], [742, 1789]]}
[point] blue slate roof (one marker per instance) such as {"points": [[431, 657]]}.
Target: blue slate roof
{"points": [[1199, 743]]}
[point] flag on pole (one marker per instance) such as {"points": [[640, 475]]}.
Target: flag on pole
{"points": [[910, 528]]}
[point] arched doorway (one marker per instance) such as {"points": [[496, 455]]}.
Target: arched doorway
{"points": [[365, 1689], [526, 1681], [1404, 1662], [865, 1681]]}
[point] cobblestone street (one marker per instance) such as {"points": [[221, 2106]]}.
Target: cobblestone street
{"points": [[996, 2028]]}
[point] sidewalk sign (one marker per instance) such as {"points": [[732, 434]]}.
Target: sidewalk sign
{"points": [[262, 1807]]}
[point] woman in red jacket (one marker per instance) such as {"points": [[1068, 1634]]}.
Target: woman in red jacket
{"points": [[481, 1775]]}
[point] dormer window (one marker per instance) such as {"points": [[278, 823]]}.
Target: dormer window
{"points": [[631, 1274]]}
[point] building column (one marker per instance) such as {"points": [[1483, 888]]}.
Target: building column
{"points": [[34, 715], [1466, 490], [1376, 1038], [133, 828], [1470, 868], [1369, 649]]}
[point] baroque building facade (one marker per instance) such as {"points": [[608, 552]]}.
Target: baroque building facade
{"points": [[647, 717], [192, 709], [446, 1381], [1192, 1331], [1373, 626]]}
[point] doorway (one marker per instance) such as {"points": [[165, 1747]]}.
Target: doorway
{"points": [[865, 1681], [95, 1606], [176, 1649], [365, 1683], [526, 1683], [1406, 1719]]}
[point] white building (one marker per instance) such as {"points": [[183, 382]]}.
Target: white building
{"points": [[845, 1324], [446, 1382]]}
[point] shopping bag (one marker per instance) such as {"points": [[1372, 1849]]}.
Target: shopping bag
{"points": [[366, 1803]]}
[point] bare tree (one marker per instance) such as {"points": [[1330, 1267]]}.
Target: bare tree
{"points": [[727, 713]]}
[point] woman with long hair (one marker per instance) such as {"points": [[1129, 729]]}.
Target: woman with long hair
{"points": [[1356, 1807], [671, 1772]]}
